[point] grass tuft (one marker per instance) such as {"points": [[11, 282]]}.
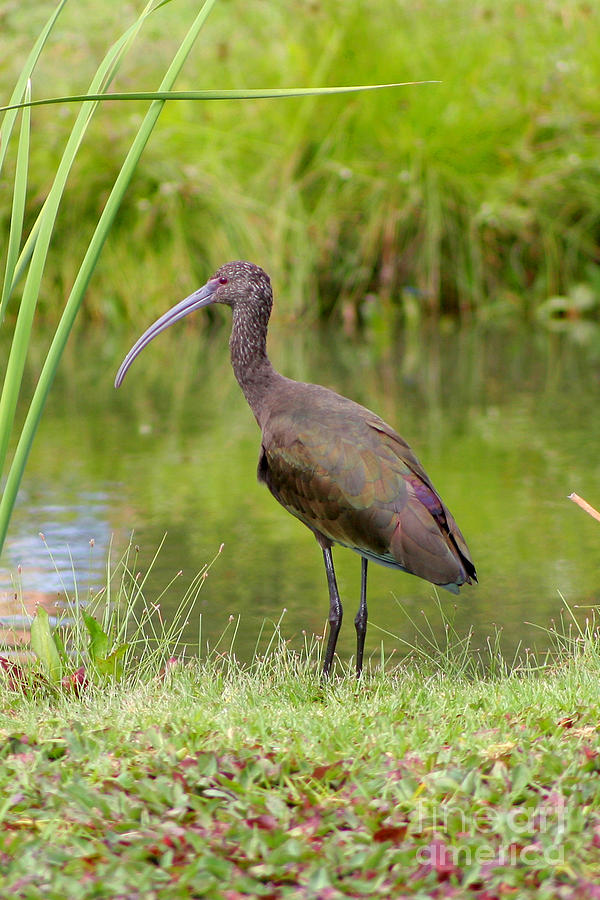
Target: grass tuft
{"points": [[115, 635]]}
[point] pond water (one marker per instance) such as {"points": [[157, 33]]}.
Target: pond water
{"points": [[505, 420]]}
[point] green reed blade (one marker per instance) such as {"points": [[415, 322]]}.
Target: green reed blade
{"points": [[18, 205], [254, 94], [79, 287], [47, 218], [30, 62]]}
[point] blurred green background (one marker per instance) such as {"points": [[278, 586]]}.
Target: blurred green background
{"points": [[478, 193]]}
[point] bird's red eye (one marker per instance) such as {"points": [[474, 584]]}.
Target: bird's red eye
{"points": [[223, 280]]}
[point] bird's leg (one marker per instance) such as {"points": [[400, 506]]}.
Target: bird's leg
{"points": [[335, 611], [360, 621]]}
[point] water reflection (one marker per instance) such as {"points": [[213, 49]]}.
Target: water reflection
{"points": [[49, 559], [505, 422], [55, 564]]}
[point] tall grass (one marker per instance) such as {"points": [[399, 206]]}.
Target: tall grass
{"points": [[478, 193], [118, 633]]}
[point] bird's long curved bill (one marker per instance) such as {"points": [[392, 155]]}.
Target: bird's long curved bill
{"points": [[202, 297]]}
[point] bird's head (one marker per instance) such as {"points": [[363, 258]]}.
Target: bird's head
{"points": [[240, 285]]}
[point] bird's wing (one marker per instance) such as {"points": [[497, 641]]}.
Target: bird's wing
{"points": [[426, 496], [356, 482]]}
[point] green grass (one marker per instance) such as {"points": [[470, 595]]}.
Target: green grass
{"points": [[221, 781], [165, 776], [481, 192]]}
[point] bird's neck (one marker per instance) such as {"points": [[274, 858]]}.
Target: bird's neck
{"points": [[251, 365]]}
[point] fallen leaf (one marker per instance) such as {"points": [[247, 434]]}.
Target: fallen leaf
{"points": [[438, 858], [76, 682], [568, 721], [16, 677], [264, 821], [393, 833]]}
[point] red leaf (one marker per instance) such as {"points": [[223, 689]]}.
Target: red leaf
{"points": [[439, 859], [16, 676], [331, 772], [264, 821], [568, 721], [319, 772], [77, 681], [393, 833]]}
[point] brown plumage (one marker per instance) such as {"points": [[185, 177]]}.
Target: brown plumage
{"points": [[330, 462]]}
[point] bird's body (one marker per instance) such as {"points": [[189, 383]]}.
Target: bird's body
{"points": [[354, 481], [335, 465]]}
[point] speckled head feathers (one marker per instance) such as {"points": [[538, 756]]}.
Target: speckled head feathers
{"points": [[244, 283]]}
